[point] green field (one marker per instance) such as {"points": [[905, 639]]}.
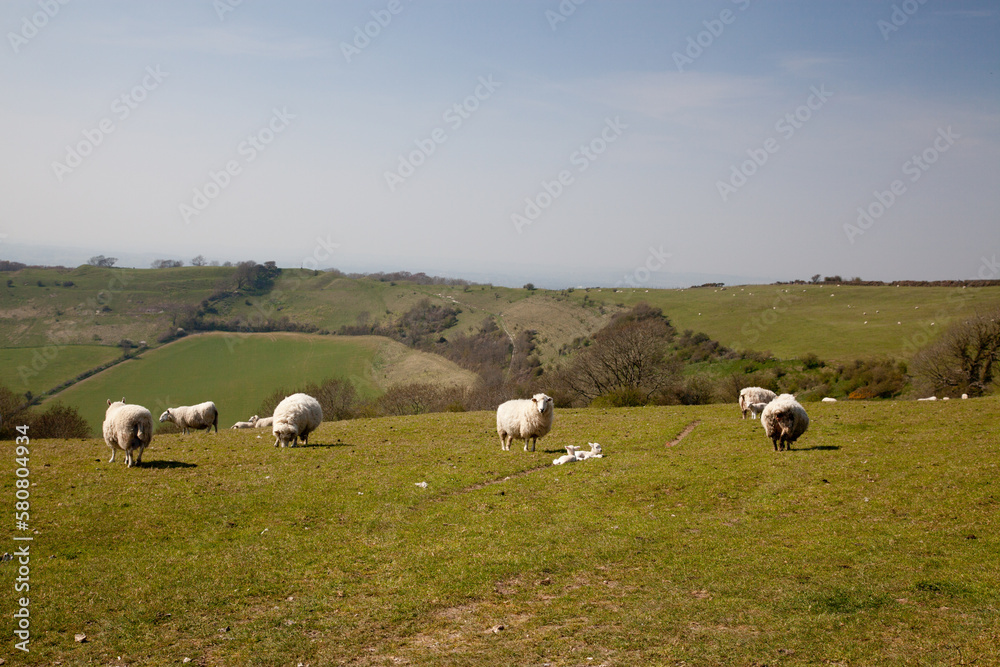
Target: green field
{"points": [[39, 369], [871, 543], [836, 322], [237, 371]]}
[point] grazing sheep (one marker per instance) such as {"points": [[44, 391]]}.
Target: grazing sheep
{"points": [[264, 422], [751, 395], [128, 428], [827, 399], [756, 409], [247, 424], [524, 419], [568, 457], [594, 453], [296, 417], [784, 420], [201, 416]]}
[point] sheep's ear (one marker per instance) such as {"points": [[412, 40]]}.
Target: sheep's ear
{"points": [[534, 400], [109, 401], [123, 399]]}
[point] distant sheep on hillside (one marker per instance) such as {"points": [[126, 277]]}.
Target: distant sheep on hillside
{"points": [[524, 419], [784, 420], [296, 417], [264, 422], [751, 395], [128, 428], [201, 416], [251, 423]]}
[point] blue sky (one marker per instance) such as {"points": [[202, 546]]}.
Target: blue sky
{"points": [[651, 143]]}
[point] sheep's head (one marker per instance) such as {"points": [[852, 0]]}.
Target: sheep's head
{"points": [[595, 447], [166, 416], [542, 402], [284, 432]]}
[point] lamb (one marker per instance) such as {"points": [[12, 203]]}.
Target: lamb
{"points": [[568, 457], [263, 422], [751, 395], [524, 419], [594, 453], [296, 417], [252, 423], [128, 428], [201, 416], [784, 420], [756, 409]]}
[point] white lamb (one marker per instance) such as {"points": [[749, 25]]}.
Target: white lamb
{"points": [[568, 457], [263, 422], [296, 417], [594, 453], [524, 419], [756, 409], [784, 420], [201, 416], [751, 395], [252, 423], [128, 428]]}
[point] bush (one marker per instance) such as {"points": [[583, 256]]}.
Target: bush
{"points": [[626, 397]]}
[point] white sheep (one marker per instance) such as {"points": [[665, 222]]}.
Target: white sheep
{"points": [[296, 417], [784, 420], [751, 395], [756, 409], [524, 419], [201, 416], [264, 422], [128, 428], [252, 423], [568, 457], [594, 453]]}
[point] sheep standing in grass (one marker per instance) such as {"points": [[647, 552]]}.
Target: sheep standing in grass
{"points": [[296, 417], [263, 422], [251, 423], [784, 420], [524, 419], [201, 416], [751, 395], [128, 428], [756, 409]]}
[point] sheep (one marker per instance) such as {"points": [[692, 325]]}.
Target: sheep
{"points": [[201, 416], [751, 395], [296, 417], [756, 409], [594, 453], [524, 419], [264, 422], [784, 420], [252, 423], [568, 457], [128, 428]]}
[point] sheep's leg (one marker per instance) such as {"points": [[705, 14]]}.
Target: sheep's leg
{"points": [[774, 441]]}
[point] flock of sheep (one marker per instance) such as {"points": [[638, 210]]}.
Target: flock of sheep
{"points": [[129, 428]]}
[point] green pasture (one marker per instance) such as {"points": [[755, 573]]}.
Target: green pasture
{"points": [[873, 542], [235, 371], [39, 369]]}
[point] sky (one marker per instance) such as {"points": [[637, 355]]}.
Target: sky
{"points": [[572, 142]]}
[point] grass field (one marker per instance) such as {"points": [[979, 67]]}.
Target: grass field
{"points": [[872, 543], [39, 369], [238, 371]]}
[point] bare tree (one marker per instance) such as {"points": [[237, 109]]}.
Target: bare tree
{"points": [[101, 260], [199, 261], [630, 354], [964, 358]]}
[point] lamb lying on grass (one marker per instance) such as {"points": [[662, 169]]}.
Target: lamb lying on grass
{"points": [[784, 420], [524, 419], [263, 422], [201, 416], [247, 424], [128, 428], [568, 457], [594, 453]]}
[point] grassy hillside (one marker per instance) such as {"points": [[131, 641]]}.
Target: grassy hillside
{"points": [[38, 369], [238, 371], [870, 543]]}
